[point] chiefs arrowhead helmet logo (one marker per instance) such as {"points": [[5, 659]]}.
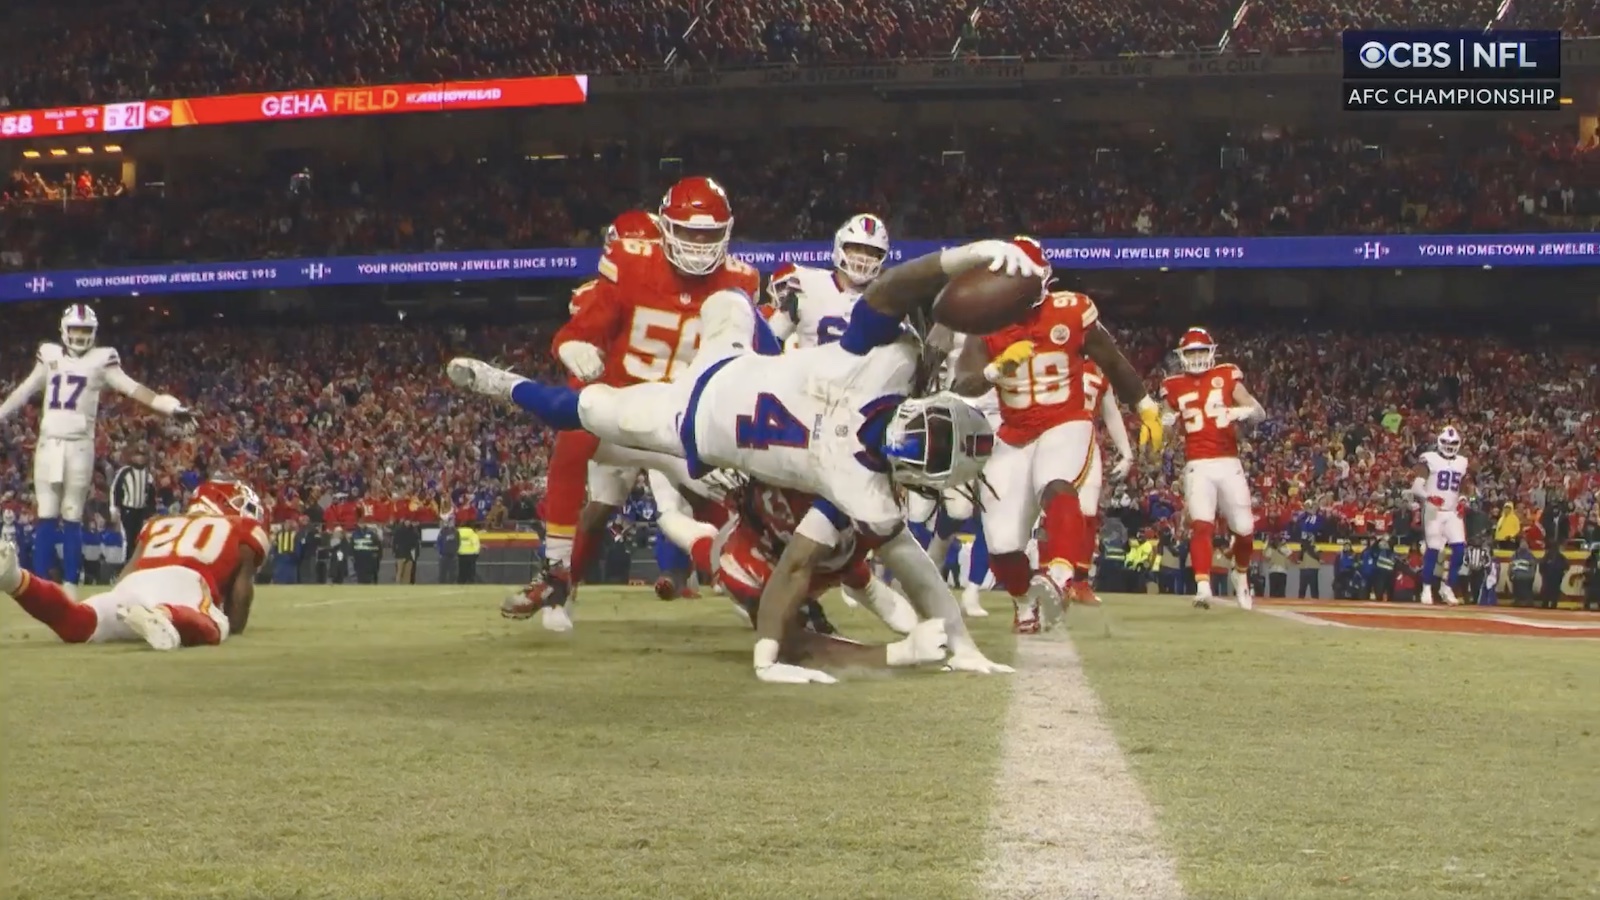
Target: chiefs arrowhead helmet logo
{"points": [[155, 114]]}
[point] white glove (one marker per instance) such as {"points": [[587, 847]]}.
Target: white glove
{"points": [[973, 661], [1238, 414], [166, 404], [768, 668], [927, 643], [1121, 468], [582, 359], [998, 256]]}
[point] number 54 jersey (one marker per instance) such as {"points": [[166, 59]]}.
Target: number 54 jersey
{"points": [[644, 315], [1201, 402]]}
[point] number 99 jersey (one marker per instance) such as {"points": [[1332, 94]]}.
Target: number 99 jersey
{"points": [[1201, 402], [1047, 389], [208, 545]]}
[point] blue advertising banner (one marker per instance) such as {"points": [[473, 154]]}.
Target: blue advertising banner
{"points": [[1375, 251]]}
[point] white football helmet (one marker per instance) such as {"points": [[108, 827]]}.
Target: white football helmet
{"points": [[937, 441], [1449, 442], [78, 327], [859, 248]]}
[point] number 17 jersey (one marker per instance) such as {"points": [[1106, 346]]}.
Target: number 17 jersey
{"points": [[1201, 402]]}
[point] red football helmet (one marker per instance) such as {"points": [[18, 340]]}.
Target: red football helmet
{"points": [[635, 224], [222, 497], [1035, 251], [1197, 351], [696, 225]]}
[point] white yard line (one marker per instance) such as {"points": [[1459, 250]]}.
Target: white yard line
{"points": [[1069, 820]]}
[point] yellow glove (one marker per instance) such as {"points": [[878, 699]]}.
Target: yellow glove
{"points": [[1151, 434], [1008, 360]]}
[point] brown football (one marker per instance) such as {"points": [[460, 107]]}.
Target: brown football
{"points": [[979, 301]]}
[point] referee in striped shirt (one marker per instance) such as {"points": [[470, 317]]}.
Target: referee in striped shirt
{"points": [[133, 495]]}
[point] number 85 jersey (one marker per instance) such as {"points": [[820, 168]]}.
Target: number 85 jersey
{"points": [[1201, 402], [644, 315]]}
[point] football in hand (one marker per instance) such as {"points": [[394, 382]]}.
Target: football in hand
{"points": [[979, 301]]}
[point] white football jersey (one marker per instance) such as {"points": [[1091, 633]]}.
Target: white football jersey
{"points": [[793, 421], [820, 312], [70, 389], [989, 403], [1444, 478]]}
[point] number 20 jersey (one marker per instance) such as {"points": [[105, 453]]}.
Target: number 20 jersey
{"points": [[1199, 400], [1047, 389], [644, 315], [207, 544]]}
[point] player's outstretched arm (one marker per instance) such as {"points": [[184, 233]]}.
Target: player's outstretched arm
{"points": [[788, 586], [22, 393], [1111, 415], [1125, 381], [914, 284], [968, 379], [122, 383], [243, 591]]}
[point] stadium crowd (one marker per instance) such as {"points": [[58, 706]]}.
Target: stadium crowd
{"points": [[1267, 183], [358, 420], [54, 54]]}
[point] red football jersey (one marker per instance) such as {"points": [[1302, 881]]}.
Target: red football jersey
{"points": [[1048, 389], [772, 514], [644, 315], [1202, 402], [204, 543]]}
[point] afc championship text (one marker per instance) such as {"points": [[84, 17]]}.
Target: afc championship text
{"points": [[1512, 71]]}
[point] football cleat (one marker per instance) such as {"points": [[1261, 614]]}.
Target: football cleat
{"points": [[1241, 591], [550, 587], [477, 375], [1025, 618], [1202, 594], [1427, 595], [972, 603], [1082, 593], [153, 625], [1448, 596]]}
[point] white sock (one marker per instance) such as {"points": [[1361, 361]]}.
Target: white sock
{"points": [[558, 549]]}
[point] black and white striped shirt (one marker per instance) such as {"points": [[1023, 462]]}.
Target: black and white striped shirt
{"points": [[1477, 559], [132, 490]]}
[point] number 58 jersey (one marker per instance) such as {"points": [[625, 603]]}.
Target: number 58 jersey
{"points": [[644, 315], [208, 545], [1202, 401]]}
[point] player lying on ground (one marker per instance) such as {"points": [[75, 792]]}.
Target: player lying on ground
{"points": [[69, 377], [1046, 444], [191, 580], [835, 421]]}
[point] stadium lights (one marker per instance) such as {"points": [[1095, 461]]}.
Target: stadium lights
{"points": [[113, 148], [30, 154], [58, 152], [86, 151]]}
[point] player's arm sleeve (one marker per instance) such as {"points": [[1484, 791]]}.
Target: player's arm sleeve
{"points": [[1111, 415], [23, 392], [242, 593], [1246, 408], [123, 383]]}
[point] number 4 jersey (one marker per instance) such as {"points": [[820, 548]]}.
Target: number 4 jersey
{"points": [[644, 315], [1202, 402], [209, 545]]}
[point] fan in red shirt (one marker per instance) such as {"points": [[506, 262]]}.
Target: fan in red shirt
{"points": [[190, 581], [638, 321], [1211, 399], [1045, 450]]}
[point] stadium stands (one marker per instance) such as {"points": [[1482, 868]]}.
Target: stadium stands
{"points": [[363, 410], [56, 53], [1271, 185]]}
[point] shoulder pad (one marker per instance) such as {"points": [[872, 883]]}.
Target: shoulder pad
{"points": [[621, 255], [105, 357], [580, 295], [737, 266], [50, 352]]}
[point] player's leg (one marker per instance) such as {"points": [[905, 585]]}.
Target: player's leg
{"points": [[1200, 504], [1432, 543], [1455, 537], [1061, 467], [167, 608], [566, 492], [1233, 502], [978, 567], [1089, 504], [858, 585], [688, 541], [45, 600], [74, 497], [49, 477], [1009, 509], [955, 512]]}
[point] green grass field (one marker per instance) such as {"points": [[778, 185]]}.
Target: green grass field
{"points": [[408, 743]]}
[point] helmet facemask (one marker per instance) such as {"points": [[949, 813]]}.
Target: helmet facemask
{"points": [[1197, 358], [696, 247], [859, 263], [937, 442], [1449, 443]]}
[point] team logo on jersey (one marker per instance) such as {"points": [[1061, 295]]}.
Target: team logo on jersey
{"points": [[1059, 334], [1217, 381], [685, 299]]}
